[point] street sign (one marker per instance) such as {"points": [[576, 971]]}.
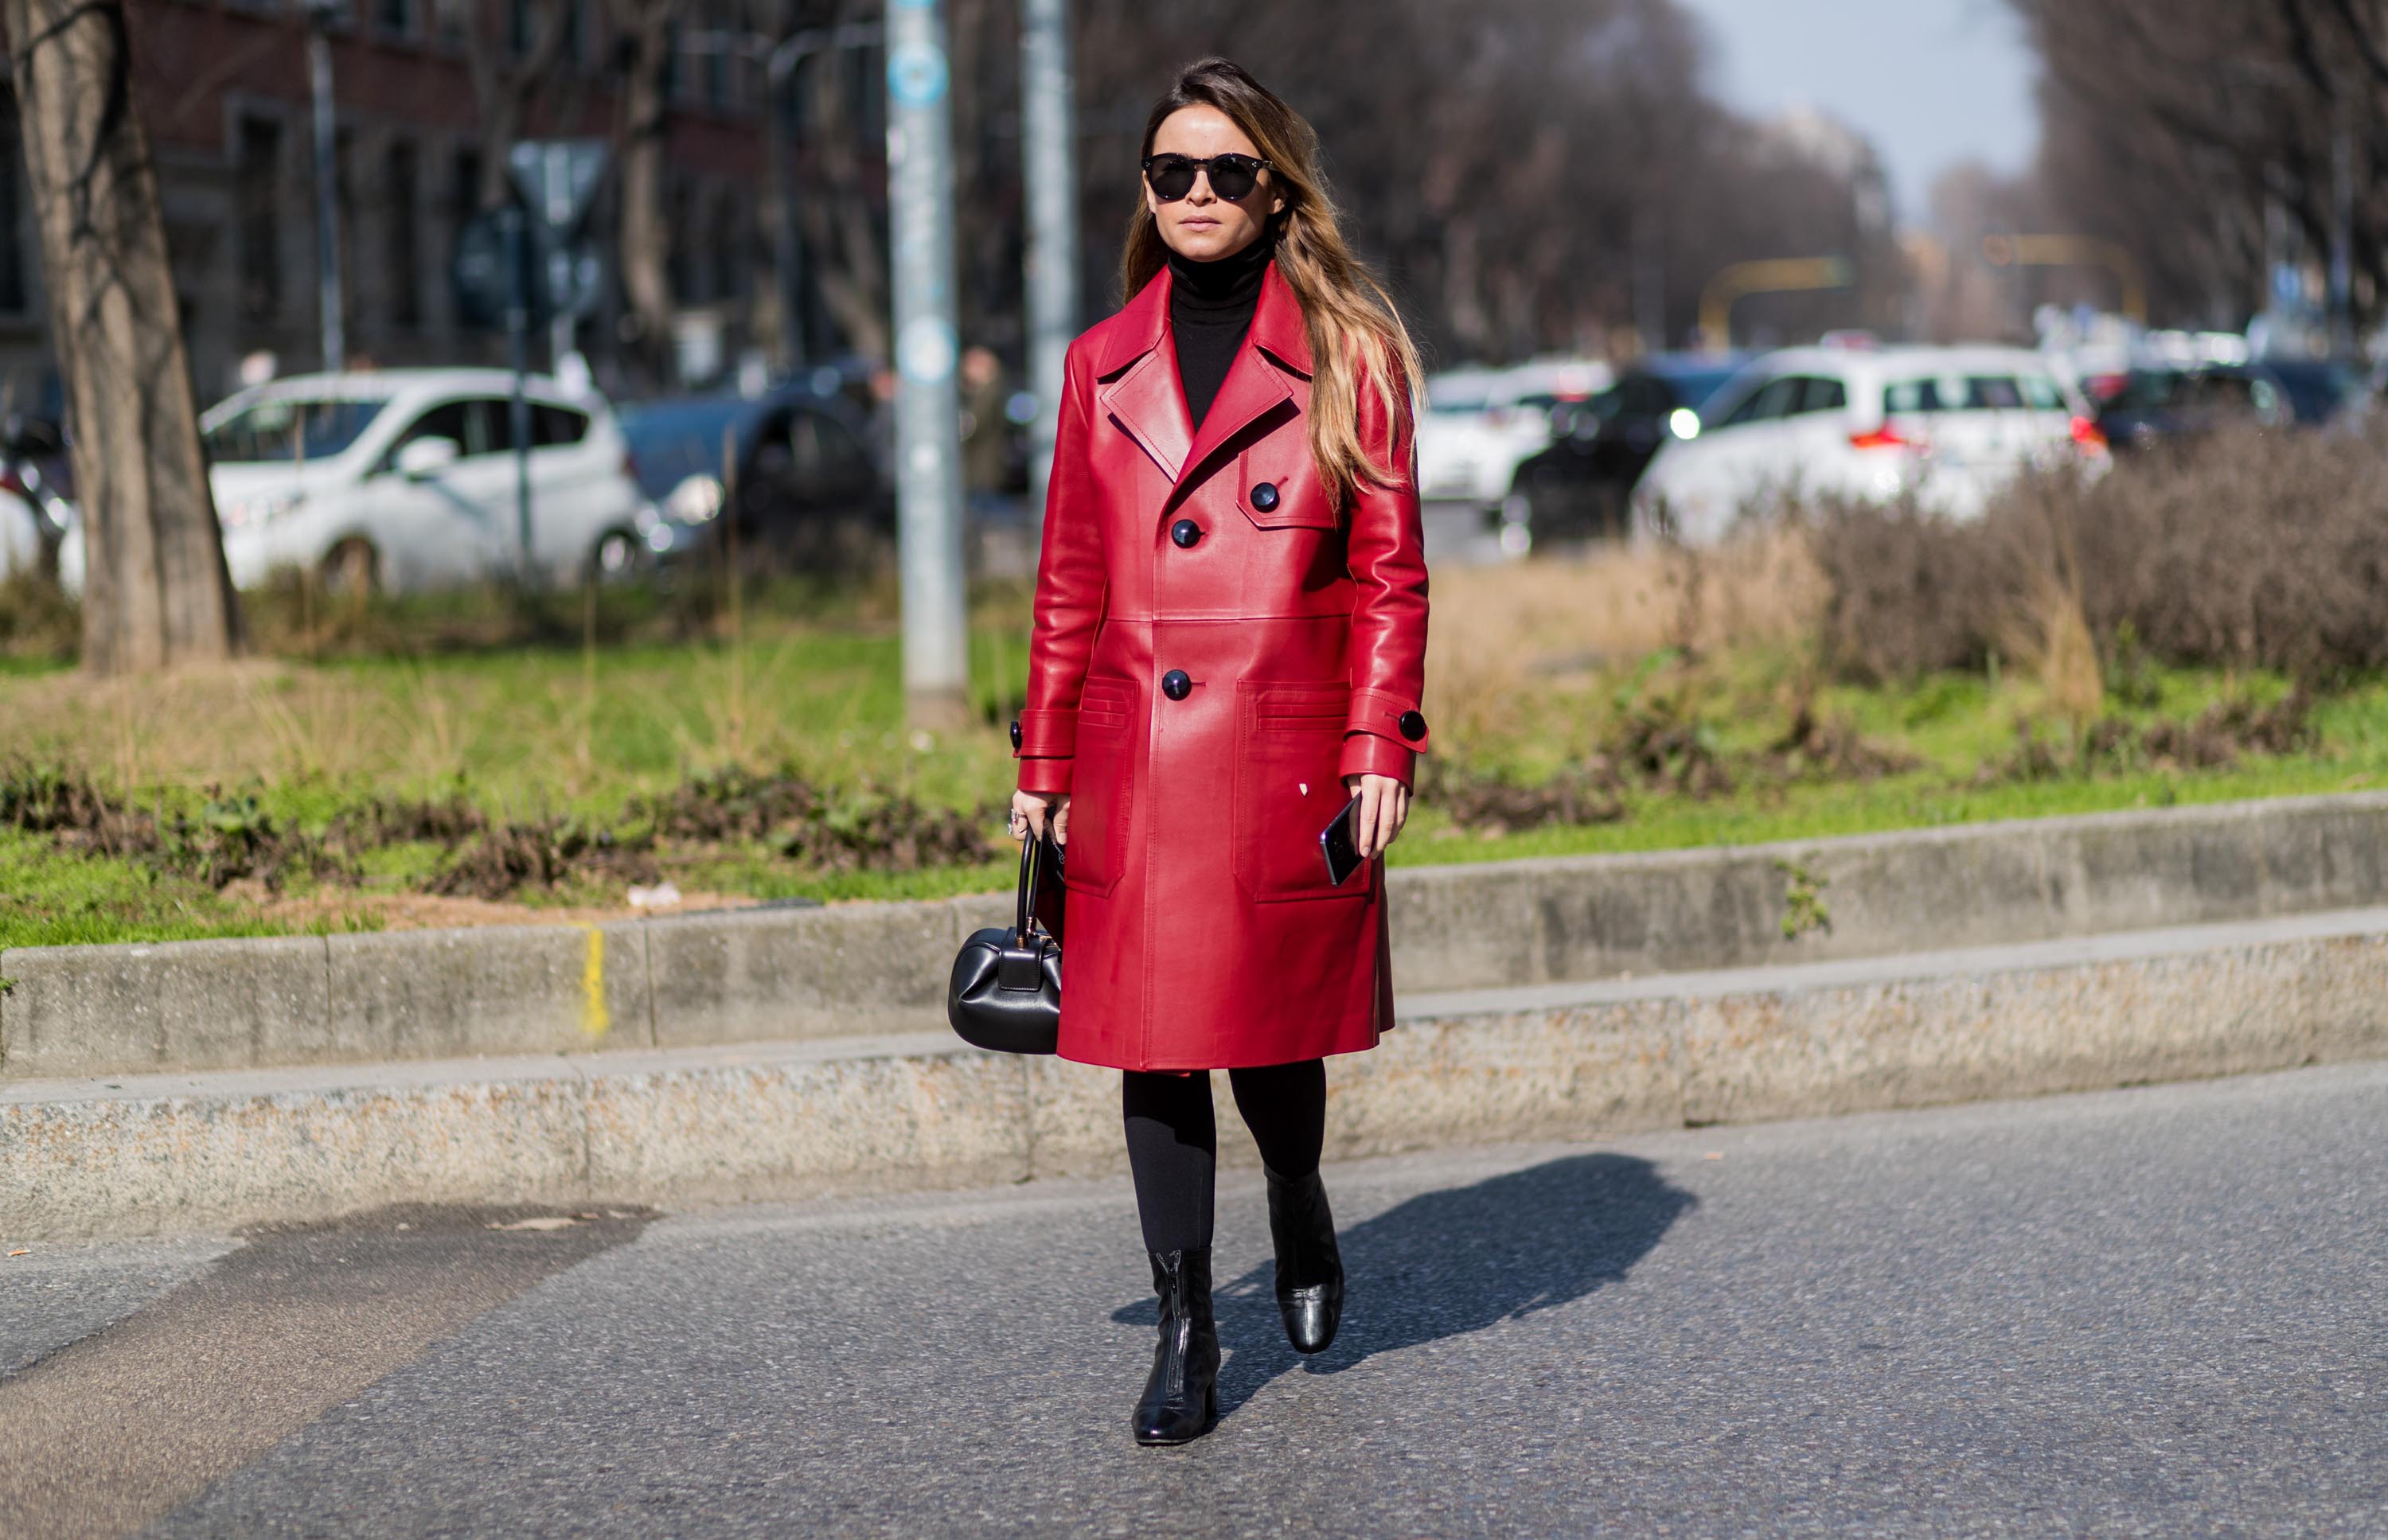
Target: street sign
{"points": [[479, 272], [558, 178]]}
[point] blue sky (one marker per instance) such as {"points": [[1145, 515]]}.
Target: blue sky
{"points": [[1932, 83]]}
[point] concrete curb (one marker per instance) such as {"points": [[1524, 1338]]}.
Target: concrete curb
{"points": [[199, 1151], [858, 970]]}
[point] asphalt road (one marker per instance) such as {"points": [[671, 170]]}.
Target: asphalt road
{"points": [[2156, 1312]]}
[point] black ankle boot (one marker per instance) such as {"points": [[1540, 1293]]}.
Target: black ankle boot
{"points": [[1309, 1267], [1181, 1399]]}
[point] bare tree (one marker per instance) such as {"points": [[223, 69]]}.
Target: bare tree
{"points": [[643, 30], [845, 219], [507, 80], [156, 592], [2214, 138], [1512, 164]]}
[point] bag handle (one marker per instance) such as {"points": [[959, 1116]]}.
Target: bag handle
{"points": [[1025, 902]]}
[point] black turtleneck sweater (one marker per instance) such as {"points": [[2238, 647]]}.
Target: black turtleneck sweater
{"points": [[1211, 307]]}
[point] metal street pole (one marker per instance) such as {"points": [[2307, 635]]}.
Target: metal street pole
{"points": [[1049, 148], [787, 250], [327, 225], [2341, 231], [559, 212], [928, 405], [509, 222], [1649, 280]]}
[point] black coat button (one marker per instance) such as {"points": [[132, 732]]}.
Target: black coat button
{"points": [[1015, 734], [1265, 497], [1176, 685], [1413, 725], [1186, 532]]}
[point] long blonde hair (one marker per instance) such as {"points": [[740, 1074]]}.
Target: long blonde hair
{"points": [[1353, 329]]}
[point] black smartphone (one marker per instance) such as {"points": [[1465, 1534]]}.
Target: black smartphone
{"points": [[1339, 843]]}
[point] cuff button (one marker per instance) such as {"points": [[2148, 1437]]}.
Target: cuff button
{"points": [[1413, 725], [1015, 735]]}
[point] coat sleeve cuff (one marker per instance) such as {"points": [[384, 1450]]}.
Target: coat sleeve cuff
{"points": [[1045, 777], [1049, 732], [1368, 754], [1387, 715]]}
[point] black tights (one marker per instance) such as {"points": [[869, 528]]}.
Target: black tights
{"points": [[1173, 1139]]}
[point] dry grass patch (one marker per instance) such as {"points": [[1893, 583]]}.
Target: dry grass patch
{"points": [[1498, 630]]}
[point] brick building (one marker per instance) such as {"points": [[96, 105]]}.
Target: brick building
{"points": [[225, 92]]}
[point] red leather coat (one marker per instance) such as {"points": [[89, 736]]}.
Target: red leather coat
{"points": [[1217, 644]]}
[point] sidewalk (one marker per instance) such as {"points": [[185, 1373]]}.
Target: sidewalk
{"points": [[181, 1153]]}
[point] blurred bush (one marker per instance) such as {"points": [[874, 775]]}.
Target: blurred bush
{"points": [[2248, 551], [37, 618]]}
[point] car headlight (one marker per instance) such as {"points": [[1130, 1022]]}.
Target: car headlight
{"points": [[1684, 422], [695, 500], [248, 512]]}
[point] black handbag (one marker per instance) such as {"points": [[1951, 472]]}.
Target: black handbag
{"points": [[1006, 992]]}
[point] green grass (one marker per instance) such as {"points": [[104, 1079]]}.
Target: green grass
{"points": [[1909, 801], [528, 729], [49, 898]]}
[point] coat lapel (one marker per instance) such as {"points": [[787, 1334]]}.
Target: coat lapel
{"points": [[1253, 391], [1148, 403]]}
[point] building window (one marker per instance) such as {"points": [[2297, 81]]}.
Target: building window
{"points": [[344, 211], [681, 262], [258, 208], [730, 249], [394, 17], [466, 196], [719, 41], [575, 32], [519, 28], [12, 208], [463, 198], [405, 259]]}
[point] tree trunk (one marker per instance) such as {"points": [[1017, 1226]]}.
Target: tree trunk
{"points": [[645, 242], [155, 590]]}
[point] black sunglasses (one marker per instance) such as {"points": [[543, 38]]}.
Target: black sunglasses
{"points": [[1233, 177]]}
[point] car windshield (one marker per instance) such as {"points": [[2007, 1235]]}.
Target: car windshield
{"points": [[1696, 390], [287, 427], [673, 441], [1971, 393]]}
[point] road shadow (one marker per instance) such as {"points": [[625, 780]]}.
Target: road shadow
{"points": [[1448, 1263]]}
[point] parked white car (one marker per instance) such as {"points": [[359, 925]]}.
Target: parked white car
{"points": [[1947, 427], [20, 536], [1480, 424], [404, 479]]}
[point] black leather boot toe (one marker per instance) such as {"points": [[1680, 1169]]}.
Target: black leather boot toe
{"points": [[1309, 1265], [1181, 1398]]}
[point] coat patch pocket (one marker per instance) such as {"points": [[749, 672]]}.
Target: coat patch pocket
{"points": [[1288, 742], [1102, 782], [1294, 497]]}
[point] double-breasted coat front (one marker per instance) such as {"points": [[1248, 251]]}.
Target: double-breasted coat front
{"points": [[1218, 640]]}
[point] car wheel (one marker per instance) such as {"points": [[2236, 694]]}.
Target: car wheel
{"points": [[617, 557], [352, 570]]}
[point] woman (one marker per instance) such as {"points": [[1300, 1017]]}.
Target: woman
{"points": [[1229, 644]]}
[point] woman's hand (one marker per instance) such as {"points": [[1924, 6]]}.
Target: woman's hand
{"points": [[1030, 809], [1384, 808]]}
